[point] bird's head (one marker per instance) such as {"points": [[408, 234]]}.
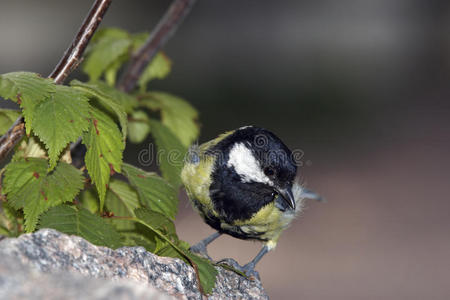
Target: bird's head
{"points": [[258, 159]]}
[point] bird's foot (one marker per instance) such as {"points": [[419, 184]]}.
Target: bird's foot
{"points": [[248, 269], [200, 248]]}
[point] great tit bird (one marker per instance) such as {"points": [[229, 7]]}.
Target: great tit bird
{"points": [[243, 184]]}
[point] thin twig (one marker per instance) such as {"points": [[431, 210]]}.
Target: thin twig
{"points": [[166, 27], [10, 139], [73, 54], [66, 65]]}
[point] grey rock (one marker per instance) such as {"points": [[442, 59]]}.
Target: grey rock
{"points": [[18, 281], [48, 263]]}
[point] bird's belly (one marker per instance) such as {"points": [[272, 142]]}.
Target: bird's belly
{"points": [[266, 225]]}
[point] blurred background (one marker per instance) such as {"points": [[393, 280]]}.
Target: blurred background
{"points": [[362, 87]]}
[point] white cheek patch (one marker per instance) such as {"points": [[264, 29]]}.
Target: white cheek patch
{"points": [[246, 165]]}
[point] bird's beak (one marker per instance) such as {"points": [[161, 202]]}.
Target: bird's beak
{"points": [[287, 196]]}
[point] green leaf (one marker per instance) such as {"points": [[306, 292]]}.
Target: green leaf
{"points": [[203, 267], [88, 199], [4, 231], [132, 239], [139, 40], [60, 119], [163, 248], [10, 213], [27, 89], [107, 47], [161, 225], [104, 150], [81, 222], [158, 68], [7, 118], [22, 179], [177, 114], [110, 98], [205, 271], [121, 200], [57, 114], [9, 219], [170, 153], [108, 32], [29, 147], [158, 223], [138, 127], [28, 186], [111, 71], [154, 192]]}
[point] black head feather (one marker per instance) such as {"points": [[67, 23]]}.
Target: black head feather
{"points": [[250, 163]]}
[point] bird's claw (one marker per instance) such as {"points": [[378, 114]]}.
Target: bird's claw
{"points": [[248, 269], [200, 248]]}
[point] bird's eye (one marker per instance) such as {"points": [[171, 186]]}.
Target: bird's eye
{"points": [[269, 171], [274, 195]]}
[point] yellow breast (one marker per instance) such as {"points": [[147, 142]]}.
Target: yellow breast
{"points": [[269, 221]]}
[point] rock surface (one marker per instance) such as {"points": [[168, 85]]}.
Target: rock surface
{"points": [[51, 265]]}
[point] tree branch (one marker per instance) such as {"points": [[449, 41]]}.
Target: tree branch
{"points": [[11, 137], [73, 54], [68, 63], [166, 27]]}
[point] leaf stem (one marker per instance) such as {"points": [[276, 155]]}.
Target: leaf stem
{"points": [[10, 139], [68, 63], [166, 27], [122, 218]]}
